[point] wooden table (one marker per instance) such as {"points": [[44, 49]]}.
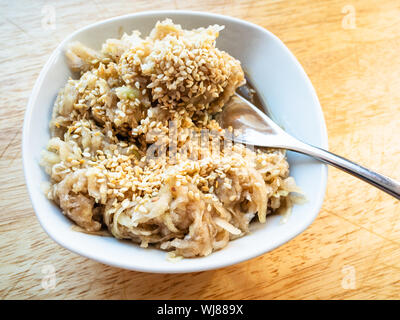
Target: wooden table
{"points": [[350, 49]]}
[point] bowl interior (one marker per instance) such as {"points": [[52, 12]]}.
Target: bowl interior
{"points": [[280, 81]]}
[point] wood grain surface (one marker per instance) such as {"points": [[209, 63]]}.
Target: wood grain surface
{"points": [[350, 50]]}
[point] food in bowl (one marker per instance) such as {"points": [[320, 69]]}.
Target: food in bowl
{"points": [[135, 146]]}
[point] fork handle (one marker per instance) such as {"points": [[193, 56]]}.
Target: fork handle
{"points": [[380, 181]]}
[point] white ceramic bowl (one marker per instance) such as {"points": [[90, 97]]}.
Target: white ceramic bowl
{"points": [[282, 84]]}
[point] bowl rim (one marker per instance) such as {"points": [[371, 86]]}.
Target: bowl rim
{"points": [[154, 268]]}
